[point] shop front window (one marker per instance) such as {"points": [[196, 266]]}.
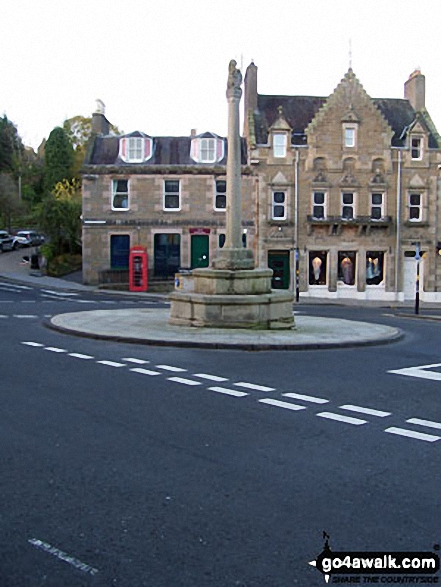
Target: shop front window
{"points": [[317, 267], [374, 267], [346, 267]]}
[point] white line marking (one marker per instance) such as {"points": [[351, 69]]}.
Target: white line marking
{"points": [[145, 371], [58, 293], [35, 344], [227, 391], [111, 364], [184, 381], [412, 434], [80, 356], [280, 404], [419, 372], [3, 316], [255, 387], [307, 398], [427, 423], [339, 418], [63, 556], [54, 349], [136, 361], [25, 316], [170, 368], [367, 411], [16, 286], [28, 301], [210, 377]]}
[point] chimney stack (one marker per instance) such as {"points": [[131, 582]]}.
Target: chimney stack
{"points": [[100, 124], [415, 90]]}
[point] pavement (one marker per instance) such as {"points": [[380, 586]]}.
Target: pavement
{"points": [[150, 326]]}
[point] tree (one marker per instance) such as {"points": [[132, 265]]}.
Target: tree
{"points": [[9, 201], [11, 146], [79, 131], [58, 159], [59, 217]]}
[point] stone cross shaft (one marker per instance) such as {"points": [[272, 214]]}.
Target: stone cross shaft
{"points": [[234, 187]]}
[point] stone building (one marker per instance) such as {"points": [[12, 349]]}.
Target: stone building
{"points": [[349, 190], [167, 194]]}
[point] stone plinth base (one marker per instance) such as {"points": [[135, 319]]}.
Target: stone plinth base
{"points": [[227, 282], [233, 259], [261, 312]]}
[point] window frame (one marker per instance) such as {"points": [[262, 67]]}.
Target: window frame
{"points": [[381, 206], [280, 149], [324, 205], [418, 148], [350, 140], [202, 149], [345, 205], [352, 256], [220, 193], [275, 204], [139, 148], [115, 192], [166, 193], [378, 277], [418, 206]]}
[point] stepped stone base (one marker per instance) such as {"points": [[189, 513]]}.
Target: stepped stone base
{"points": [[230, 299]]}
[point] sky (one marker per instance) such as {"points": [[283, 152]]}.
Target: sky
{"points": [[161, 66]]}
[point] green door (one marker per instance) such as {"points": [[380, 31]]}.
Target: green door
{"points": [[278, 261], [199, 250]]}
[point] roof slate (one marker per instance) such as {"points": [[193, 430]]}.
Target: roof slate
{"points": [[299, 111], [166, 151]]}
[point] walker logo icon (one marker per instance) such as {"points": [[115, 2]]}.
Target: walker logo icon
{"points": [[421, 565]]}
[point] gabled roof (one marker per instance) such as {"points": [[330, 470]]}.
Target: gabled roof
{"points": [[166, 151], [299, 111]]}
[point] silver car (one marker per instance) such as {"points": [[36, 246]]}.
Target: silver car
{"points": [[6, 241]]}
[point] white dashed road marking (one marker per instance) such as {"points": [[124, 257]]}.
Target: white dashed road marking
{"points": [[25, 316], [210, 377], [63, 556], [367, 411], [111, 364], [145, 371], [170, 368], [80, 356], [280, 404], [307, 398], [53, 349], [427, 423], [253, 386], [413, 434], [34, 344], [227, 391], [184, 381], [339, 418], [136, 361]]}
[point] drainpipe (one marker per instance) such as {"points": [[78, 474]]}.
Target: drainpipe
{"points": [[398, 232], [296, 228]]}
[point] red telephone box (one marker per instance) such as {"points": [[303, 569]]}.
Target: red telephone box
{"points": [[138, 269]]}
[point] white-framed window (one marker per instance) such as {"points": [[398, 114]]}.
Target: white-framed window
{"points": [[416, 148], [278, 205], [120, 194], [135, 149], [172, 195], [348, 205], [207, 150], [279, 144], [220, 196], [377, 205], [346, 267], [374, 267], [317, 267], [415, 207], [319, 205], [350, 137]]}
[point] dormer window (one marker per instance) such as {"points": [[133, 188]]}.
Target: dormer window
{"points": [[279, 144], [135, 149], [416, 147], [207, 149]]}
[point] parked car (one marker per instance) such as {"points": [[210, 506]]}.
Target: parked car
{"points": [[6, 241], [27, 238]]}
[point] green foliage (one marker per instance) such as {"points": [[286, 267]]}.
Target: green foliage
{"points": [[9, 202], [64, 264], [11, 146], [59, 217], [58, 159]]}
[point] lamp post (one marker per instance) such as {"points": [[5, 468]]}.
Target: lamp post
{"points": [[417, 280]]}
